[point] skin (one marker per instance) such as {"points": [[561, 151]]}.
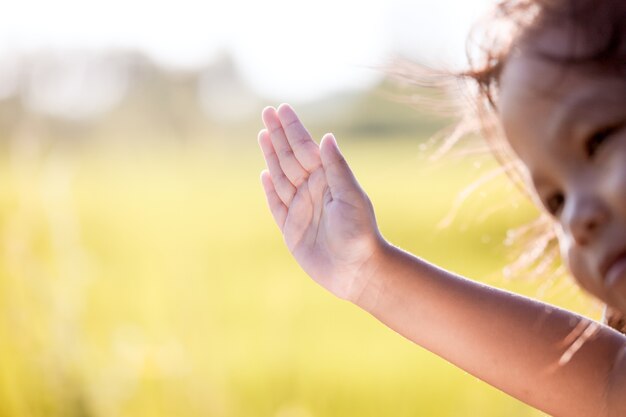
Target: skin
{"points": [[574, 152], [325, 217], [552, 359]]}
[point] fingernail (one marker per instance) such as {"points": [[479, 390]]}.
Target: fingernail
{"points": [[265, 110], [332, 138]]}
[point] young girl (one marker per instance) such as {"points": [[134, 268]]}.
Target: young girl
{"points": [[557, 87]]}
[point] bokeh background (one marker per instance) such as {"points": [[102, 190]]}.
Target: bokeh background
{"points": [[141, 273]]}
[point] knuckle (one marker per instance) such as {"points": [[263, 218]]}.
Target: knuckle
{"points": [[302, 140], [294, 122], [275, 129]]}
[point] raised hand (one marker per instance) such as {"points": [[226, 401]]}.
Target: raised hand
{"points": [[325, 217]]}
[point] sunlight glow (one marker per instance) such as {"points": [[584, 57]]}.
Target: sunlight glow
{"points": [[284, 49]]}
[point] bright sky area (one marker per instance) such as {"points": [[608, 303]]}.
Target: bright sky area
{"points": [[285, 49]]}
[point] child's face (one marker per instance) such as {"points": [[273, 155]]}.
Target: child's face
{"points": [[568, 127]]}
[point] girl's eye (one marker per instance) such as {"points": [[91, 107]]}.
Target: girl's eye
{"points": [[554, 203], [597, 139]]}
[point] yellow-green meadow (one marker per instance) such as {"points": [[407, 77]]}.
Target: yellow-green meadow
{"points": [[152, 281]]}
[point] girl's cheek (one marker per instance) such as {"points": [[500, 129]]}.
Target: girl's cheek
{"points": [[583, 275], [616, 180]]}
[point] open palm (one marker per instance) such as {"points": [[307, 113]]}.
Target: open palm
{"points": [[326, 219]]}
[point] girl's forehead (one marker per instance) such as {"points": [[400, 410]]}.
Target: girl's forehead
{"points": [[531, 92], [548, 91], [561, 42], [526, 75], [551, 54], [543, 106]]}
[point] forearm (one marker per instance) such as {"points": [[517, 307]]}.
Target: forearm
{"points": [[504, 339]]}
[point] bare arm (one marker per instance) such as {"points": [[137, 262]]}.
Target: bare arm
{"points": [[526, 348], [549, 358]]}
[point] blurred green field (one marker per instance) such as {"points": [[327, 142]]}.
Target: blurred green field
{"points": [[140, 281]]}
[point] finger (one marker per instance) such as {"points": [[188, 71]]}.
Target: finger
{"points": [[288, 162], [299, 218], [339, 176], [306, 150], [284, 188], [277, 208]]}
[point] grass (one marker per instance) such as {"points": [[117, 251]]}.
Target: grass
{"points": [[153, 282]]}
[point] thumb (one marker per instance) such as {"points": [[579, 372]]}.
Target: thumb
{"points": [[339, 176]]}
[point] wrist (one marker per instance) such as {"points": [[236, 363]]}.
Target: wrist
{"points": [[371, 280]]}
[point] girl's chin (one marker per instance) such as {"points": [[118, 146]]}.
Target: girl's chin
{"points": [[618, 301]]}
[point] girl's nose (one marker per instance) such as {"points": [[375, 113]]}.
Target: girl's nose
{"points": [[588, 216]]}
